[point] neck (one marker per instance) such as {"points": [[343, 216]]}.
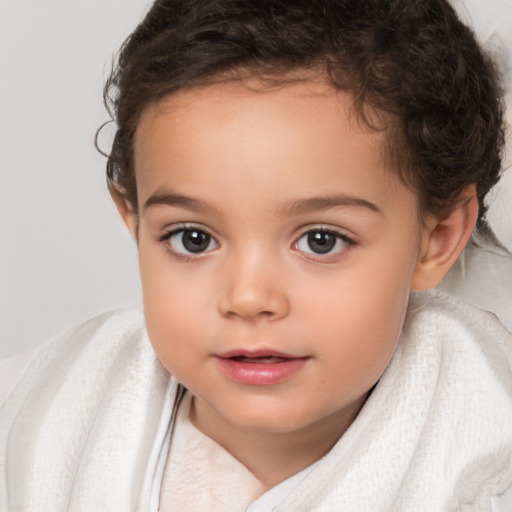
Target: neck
{"points": [[274, 456]]}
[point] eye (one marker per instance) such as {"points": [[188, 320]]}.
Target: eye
{"points": [[321, 242], [190, 241]]}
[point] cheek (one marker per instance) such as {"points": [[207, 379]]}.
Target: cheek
{"points": [[360, 344], [366, 337], [172, 329], [361, 318], [171, 307]]}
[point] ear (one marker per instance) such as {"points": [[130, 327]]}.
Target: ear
{"points": [[127, 211], [443, 241]]}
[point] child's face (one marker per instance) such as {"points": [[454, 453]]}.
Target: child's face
{"points": [[276, 252]]}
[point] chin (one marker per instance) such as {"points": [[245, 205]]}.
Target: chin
{"points": [[269, 420]]}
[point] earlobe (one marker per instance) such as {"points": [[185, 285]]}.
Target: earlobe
{"points": [[444, 240], [127, 212]]}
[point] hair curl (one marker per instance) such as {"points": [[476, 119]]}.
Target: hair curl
{"points": [[411, 61]]}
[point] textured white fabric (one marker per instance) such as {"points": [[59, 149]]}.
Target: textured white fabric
{"points": [[503, 502], [84, 429], [201, 475], [436, 434], [278, 494], [11, 370], [482, 276]]}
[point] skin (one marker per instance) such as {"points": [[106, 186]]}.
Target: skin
{"points": [[257, 170]]}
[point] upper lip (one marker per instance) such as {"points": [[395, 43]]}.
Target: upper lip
{"points": [[255, 354]]}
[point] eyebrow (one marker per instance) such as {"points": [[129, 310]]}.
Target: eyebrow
{"points": [[165, 198], [288, 208], [313, 204]]}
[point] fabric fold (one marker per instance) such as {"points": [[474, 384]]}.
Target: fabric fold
{"points": [[85, 428]]}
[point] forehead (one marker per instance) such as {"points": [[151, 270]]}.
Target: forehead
{"points": [[303, 135], [254, 105]]}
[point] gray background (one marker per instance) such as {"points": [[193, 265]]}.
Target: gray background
{"points": [[65, 255]]}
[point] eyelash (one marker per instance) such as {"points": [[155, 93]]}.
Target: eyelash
{"points": [[183, 228], [206, 240], [328, 256]]}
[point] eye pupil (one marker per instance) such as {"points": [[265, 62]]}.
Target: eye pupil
{"points": [[321, 242], [195, 241]]}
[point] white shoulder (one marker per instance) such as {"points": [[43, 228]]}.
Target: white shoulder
{"points": [[117, 323], [455, 312], [457, 326], [483, 277], [12, 369], [503, 502]]}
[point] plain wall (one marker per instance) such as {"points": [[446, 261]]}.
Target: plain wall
{"points": [[65, 254]]}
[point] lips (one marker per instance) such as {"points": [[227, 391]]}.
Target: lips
{"points": [[259, 368], [262, 359]]}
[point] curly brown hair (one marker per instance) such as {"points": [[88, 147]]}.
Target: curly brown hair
{"points": [[435, 92]]}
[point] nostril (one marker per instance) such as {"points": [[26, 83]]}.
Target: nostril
{"points": [[253, 307], [249, 314]]}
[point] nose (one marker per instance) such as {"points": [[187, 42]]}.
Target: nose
{"points": [[252, 289]]}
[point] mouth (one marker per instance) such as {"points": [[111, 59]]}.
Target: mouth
{"points": [[261, 359], [259, 368]]}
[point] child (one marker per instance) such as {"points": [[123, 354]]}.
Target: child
{"points": [[290, 171]]}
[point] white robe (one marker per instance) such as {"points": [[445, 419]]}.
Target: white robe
{"points": [[85, 428]]}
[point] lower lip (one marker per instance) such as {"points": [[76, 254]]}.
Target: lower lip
{"points": [[260, 374]]}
